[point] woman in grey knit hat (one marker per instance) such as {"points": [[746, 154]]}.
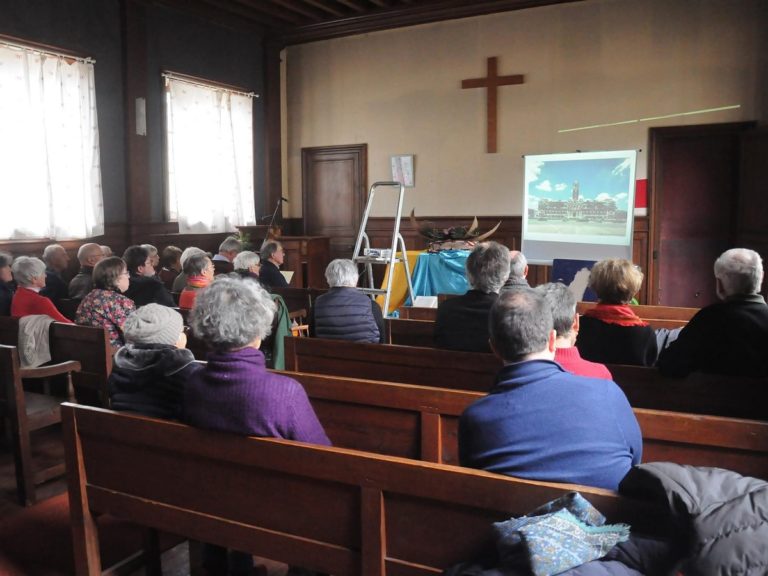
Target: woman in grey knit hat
{"points": [[150, 371]]}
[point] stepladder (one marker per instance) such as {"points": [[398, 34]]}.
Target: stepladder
{"points": [[391, 256]]}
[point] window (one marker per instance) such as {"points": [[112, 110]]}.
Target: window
{"points": [[209, 156], [50, 174]]}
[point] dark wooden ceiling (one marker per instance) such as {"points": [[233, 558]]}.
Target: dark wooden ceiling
{"points": [[297, 21]]}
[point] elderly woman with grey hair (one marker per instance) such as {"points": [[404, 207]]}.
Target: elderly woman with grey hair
{"points": [[247, 265], [234, 392], [30, 277], [7, 285], [345, 313], [462, 322]]}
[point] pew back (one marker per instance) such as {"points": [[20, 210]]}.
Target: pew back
{"points": [[732, 396], [405, 364], [88, 345], [338, 511], [657, 316], [422, 423]]}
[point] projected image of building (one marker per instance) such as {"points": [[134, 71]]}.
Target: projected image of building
{"points": [[577, 208]]}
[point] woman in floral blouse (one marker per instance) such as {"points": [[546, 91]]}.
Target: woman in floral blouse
{"points": [[105, 306]]}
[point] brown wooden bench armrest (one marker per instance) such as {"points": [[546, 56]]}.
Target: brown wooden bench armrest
{"points": [[51, 370]]}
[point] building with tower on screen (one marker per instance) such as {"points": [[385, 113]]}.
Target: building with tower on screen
{"points": [[577, 208]]}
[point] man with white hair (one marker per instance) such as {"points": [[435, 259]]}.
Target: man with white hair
{"points": [[228, 249], [518, 271], [56, 261], [88, 255], [731, 336], [345, 313]]}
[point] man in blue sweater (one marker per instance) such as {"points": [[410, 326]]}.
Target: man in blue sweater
{"points": [[540, 422]]}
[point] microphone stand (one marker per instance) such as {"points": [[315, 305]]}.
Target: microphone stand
{"points": [[272, 220]]}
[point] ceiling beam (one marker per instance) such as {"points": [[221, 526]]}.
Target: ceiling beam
{"points": [[301, 8], [325, 6], [405, 16]]}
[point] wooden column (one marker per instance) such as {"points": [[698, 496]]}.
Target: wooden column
{"points": [[134, 31], [273, 175]]}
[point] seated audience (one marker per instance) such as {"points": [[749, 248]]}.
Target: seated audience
{"points": [[518, 271], [171, 266], [153, 256], [540, 422], [228, 249], [7, 285], [234, 392], [106, 251], [88, 255], [611, 332], [56, 263], [29, 274], [345, 313], [462, 322], [731, 336], [272, 255], [247, 264], [199, 271], [144, 287], [562, 302], [105, 306], [149, 373], [181, 280]]}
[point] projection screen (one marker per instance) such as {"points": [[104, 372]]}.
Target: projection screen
{"points": [[578, 206]]}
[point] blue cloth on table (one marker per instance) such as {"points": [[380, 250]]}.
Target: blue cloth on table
{"points": [[440, 273]]}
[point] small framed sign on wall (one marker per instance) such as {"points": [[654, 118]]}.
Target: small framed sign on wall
{"points": [[403, 169]]}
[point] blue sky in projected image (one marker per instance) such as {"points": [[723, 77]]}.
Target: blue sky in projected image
{"points": [[598, 179]]}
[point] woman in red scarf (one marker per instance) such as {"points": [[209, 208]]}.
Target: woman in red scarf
{"points": [[199, 271], [611, 332]]}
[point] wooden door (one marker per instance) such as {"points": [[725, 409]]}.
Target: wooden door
{"points": [[334, 180], [694, 198]]}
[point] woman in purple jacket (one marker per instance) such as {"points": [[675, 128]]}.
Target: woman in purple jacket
{"points": [[234, 392]]}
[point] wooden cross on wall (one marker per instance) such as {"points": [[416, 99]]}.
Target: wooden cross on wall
{"points": [[491, 82]]}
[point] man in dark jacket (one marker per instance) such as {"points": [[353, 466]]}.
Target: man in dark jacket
{"points": [[88, 255], [56, 262], [145, 287], [7, 285], [272, 255], [345, 313], [731, 336], [462, 322]]}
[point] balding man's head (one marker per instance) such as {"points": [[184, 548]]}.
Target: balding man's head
{"points": [[518, 264], [521, 326], [55, 257], [89, 254]]}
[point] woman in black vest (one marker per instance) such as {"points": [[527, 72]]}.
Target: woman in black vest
{"points": [[345, 313]]}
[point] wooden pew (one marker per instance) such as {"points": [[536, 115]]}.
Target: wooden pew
{"points": [[645, 387], [85, 344], [342, 512], [298, 298], [657, 316], [734, 396], [404, 364], [650, 311], [406, 332], [422, 423]]}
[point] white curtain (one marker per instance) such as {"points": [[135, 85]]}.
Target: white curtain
{"points": [[210, 157], [50, 175]]}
